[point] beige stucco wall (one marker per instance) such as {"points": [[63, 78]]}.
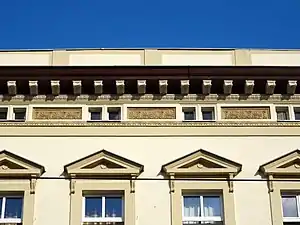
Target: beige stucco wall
{"points": [[134, 57], [152, 197]]}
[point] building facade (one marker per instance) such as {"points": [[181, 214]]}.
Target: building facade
{"points": [[144, 136]]}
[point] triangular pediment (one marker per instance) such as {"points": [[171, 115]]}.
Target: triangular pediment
{"points": [[14, 165], [200, 163], [103, 163], [288, 164]]}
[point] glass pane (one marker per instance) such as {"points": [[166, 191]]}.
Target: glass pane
{"points": [[297, 115], [208, 114], [20, 115], [281, 115], [191, 206], [3, 114], [212, 205], [114, 116], [113, 206], [289, 206], [93, 206], [95, 115], [189, 115], [13, 208]]}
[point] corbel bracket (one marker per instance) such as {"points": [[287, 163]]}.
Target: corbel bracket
{"points": [[132, 183], [230, 182], [172, 183], [33, 180], [72, 184], [270, 183]]}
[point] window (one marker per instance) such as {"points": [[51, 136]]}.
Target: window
{"points": [[103, 209], [189, 113], [19, 113], [95, 113], [202, 209], [297, 113], [114, 113], [11, 209], [282, 113], [290, 209], [208, 113], [3, 113]]}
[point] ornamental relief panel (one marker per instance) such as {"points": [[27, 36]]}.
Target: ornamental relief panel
{"points": [[59, 113], [144, 113], [242, 113]]}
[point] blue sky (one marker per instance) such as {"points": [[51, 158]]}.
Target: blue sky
{"points": [[42, 24]]}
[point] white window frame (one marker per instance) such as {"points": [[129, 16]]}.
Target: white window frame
{"points": [[103, 218], [105, 113], [10, 111], [208, 106], [95, 107], [189, 106], [2, 213], [177, 107], [293, 112], [273, 116], [290, 112], [202, 218], [292, 219]]}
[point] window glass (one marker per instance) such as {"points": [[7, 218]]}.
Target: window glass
{"points": [[297, 113], [13, 207], [113, 207], [208, 113], [191, 206], [212, 206], [20, 113], [189, 113], [114, 113], [3, 113], [289, 206], [93, 206]]}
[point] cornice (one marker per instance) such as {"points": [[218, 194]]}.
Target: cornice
{"points": [[150, 97], [150, 124]]}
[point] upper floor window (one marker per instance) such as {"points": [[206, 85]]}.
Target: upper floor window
{"points": [[11, 209], [114, 113], [95, 113], [189, 113], [19, 114], [208, 113], [291, 209], [3, 113], [282, 113], [297, 113], [202, 209], [108, 208]]}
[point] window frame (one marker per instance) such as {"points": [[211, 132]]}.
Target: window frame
{"points": [[203, 218], [89, 119], [3, 207], [214, 107], [105, 113], [189, 106], [291, 219], [103, 218]]}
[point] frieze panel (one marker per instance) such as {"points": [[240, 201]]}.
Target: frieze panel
{"points": [[246, 113], [146, 113], [59, 113]]}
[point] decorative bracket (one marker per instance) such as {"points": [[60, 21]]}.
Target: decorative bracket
{"points": [[270, 183], [72, 184], [172, 183], [230, 182], [33, 180], [132, 183]]}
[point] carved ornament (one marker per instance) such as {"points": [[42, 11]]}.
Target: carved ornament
{"points": [[144, 113], [240, 113], [59, 113]]}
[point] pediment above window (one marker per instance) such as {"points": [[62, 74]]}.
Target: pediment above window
{"points": [[14, 165], [202, 163], [286, 165], [104, 163]]}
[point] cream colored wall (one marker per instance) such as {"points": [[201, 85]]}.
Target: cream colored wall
{"points": [[152, 197], [133, 57]]}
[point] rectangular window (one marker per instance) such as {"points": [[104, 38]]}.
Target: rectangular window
{"points": [[3, 113], [282, 113], [19, 113], [208, 113], [290, 209], [189, 113], [297, 113], [114, 113], [11, 209], [108, 208], [202, 209], [95, 113]]}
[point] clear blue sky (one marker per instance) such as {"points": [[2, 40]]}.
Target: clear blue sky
{"points": [[49, 24]]}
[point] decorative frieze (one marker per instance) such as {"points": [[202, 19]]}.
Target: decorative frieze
{"points": [[146, 113], [246, 113], [58, 113]]}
